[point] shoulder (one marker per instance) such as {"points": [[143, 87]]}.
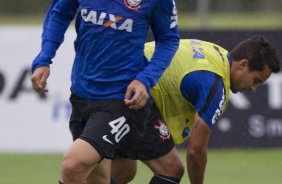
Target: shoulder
{"points": [[205, 91], [201, 78]]}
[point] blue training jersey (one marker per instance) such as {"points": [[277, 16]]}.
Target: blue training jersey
{"points": [[110, 43]]}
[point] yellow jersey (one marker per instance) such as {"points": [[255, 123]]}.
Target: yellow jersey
{"points": [[192, 55]]}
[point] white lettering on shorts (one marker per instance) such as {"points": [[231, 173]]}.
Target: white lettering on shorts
{"points": [[119, 128]]}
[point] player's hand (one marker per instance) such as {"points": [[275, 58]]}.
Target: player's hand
{"points": [[136, 95], [39, 79]]}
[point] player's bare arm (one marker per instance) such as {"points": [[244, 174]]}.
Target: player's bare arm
{"points": [[39, 79], [197, 151]]}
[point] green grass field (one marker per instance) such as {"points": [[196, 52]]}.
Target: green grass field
{"points": [[252, 166], [227, 21]]}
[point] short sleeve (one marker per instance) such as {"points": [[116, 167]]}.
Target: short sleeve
{"points": [[205, 91]]}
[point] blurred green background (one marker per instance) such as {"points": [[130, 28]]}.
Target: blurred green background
{"points": [[193, 14]]}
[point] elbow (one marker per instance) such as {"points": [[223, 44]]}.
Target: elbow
{"points": [[170, 42]]}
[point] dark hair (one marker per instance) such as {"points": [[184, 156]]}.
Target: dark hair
{"points": [[259, 52]]}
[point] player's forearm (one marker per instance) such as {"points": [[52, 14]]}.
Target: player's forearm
{"points": [[196, 164], [197, 151]]}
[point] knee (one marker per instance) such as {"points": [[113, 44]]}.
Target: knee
{"points": [[124, 176], [175, 169], [124, 170], [127, 177], [170, 172], [180, 171], [172, 167], [71, 166], [176, 166]]}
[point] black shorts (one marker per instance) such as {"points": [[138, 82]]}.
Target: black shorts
{"points": [[156, 142], [116, 131]]}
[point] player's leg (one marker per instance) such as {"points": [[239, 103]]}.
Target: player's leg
{"points": [[90, 148], [157, 150], [78, 162], [119, 129], [101, 173], [88, 125], [167, 169], [123, 170], [162, 157], [81, 157]]}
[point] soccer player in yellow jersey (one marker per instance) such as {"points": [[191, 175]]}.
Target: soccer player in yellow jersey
{"points": [[191, 95]]}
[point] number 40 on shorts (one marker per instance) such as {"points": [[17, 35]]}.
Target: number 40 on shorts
{"points": [[119, 128]]}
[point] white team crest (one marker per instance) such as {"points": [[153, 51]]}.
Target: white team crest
{"points": [[132, 4], [164, 133], [163, 130]]}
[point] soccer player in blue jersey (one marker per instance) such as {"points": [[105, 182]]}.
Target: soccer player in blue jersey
{"points": [[110, 77], [191, 95]]}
